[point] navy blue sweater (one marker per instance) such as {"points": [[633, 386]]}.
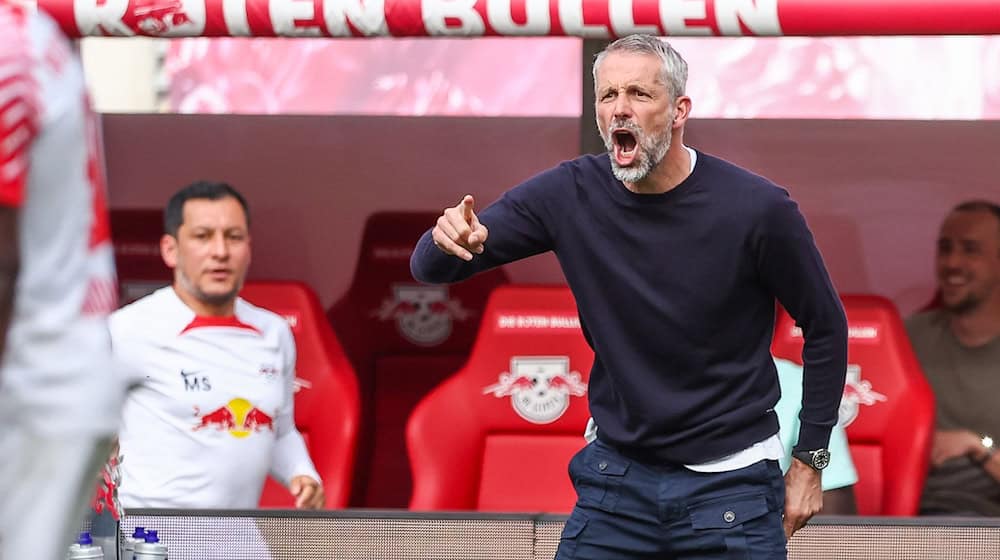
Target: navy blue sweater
{"points": [[676, 294]]}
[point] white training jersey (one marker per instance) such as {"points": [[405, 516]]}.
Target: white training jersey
{"points": [[211, 412], [58, 349]]}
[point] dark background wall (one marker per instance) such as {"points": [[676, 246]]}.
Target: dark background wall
{"points": [[874, 192]]}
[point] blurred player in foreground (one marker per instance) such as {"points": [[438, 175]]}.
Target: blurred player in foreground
{"points": [[58, 404]]}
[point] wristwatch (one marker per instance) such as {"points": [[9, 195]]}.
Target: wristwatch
{"points": [[989, 445], [817, 459]]}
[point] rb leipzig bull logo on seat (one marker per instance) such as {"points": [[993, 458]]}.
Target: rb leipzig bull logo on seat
{"points": [[423, 314], [539, 387], [857, 392]]}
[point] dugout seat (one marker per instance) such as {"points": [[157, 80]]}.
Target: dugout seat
{"points": [[499, 434], [327, 408], [403, 338], [887, 408]]}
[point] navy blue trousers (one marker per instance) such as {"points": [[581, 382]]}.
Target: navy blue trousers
{"points": [[630, 510]]}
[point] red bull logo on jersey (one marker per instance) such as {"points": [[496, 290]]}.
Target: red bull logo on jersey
{"points": [[539, 387], [857, 392], [238, 417], [423, 314]]}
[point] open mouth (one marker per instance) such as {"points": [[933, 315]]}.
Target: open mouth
{"points": [[625, 144]]}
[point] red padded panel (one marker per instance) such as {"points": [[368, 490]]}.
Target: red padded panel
{"points": [[327, 403], [887, 401], [868, 491], [528, 330], [528, 473], [400, 381], [526, 376]]}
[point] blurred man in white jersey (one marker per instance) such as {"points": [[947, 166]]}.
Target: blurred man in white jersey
{"points": [[58, 405], [212, 413]]}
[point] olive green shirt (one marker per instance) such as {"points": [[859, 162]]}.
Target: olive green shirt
{"points": [[966, 383]]}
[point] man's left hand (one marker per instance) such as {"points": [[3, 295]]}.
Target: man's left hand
{"points": [[308, 492], [949, 444], [803, 496]]}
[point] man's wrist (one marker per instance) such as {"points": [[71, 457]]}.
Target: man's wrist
{"points": [[817, 459]]}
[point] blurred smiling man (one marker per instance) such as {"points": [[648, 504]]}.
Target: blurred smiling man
{"points": [[58, 400], [958, 345]]}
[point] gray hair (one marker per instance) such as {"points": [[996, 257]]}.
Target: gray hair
{"points": [[674, 69]]}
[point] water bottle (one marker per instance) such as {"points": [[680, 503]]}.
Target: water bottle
{"points": [[84, 548], [104, 533], [128, 543], [151, 548]]}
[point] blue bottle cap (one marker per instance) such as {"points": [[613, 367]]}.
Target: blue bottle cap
{"points": [[151, 537], [84, 539], [139, 533]]}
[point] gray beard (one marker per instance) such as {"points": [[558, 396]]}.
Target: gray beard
{"points": [[651, 153]]}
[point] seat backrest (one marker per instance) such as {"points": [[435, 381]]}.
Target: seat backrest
{"points": [[327, 406], [887, 408], [498, 435], [398, 314], [403, 338]]}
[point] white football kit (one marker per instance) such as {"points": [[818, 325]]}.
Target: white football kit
{"points": [[59, 406], [211, 412]]}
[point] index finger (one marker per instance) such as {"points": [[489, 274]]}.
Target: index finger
{"points": [[467, 204]]}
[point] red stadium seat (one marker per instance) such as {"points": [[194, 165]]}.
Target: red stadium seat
{"points": [[499, 434], [888, 406], [403, 338], [326, 402]]}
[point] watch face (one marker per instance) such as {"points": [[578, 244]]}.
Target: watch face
{"points": [[821, 459]]}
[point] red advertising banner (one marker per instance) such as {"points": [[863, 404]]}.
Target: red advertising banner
{"points": [[475, 18]]}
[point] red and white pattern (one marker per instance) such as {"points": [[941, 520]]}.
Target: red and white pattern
{"points": [[18, 104], [836, 77], [584, 18], [378, 76], [857, 77], [50, 170]]}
